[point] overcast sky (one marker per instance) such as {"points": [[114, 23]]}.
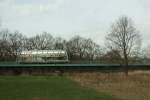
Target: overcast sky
{"points": [[66, 18]]}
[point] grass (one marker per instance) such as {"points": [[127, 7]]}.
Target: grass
{"points": [[46, 88], [134, 87]]}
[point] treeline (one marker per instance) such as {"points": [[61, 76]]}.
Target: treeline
{"points": [[79, 49], [120, 47]]}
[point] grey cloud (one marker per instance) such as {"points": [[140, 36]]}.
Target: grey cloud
{"points": [[89, 18]]}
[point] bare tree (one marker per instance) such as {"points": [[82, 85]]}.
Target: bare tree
{"points": [[146, 54], [91, 49], [11, 43], [80, 48], [16, 43], [112, 56], [40, 42], [60, 43], [74, 47], [125, 38], [4, 45]]}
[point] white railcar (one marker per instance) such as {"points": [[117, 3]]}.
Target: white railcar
{"points": [[43, 56]]}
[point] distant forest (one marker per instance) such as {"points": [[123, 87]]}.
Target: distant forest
{"points": [[79, 49]]}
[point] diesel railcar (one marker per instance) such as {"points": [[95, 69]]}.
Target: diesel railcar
{"points": [[43, 56]]}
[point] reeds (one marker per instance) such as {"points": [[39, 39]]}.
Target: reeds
{"points": [[136, 86]]}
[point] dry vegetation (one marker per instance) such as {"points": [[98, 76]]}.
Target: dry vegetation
{"points": [[134, 87]]}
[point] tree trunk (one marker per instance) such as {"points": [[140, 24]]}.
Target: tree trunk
{"points": [[126, 66]]}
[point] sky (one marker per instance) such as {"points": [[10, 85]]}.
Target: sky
{"points": [[67, 18]]}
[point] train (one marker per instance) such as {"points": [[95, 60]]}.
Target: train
{"points": [[43, 56]]}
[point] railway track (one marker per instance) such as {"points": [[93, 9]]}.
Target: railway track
{"points": [[40, 69], [74, 66]]}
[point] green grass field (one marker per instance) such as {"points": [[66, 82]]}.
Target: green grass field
{"points": [[46, 88]]}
